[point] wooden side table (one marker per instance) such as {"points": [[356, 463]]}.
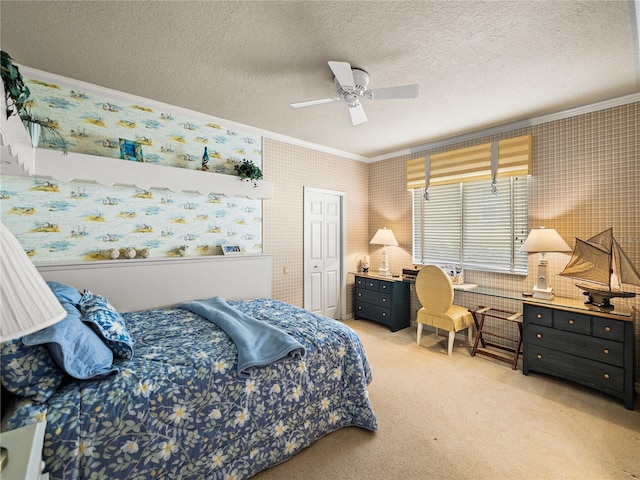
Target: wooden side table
{"points": [[484, 346]]}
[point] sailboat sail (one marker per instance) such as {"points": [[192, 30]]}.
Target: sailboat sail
{"points": [[627, 273], [589, 262]]}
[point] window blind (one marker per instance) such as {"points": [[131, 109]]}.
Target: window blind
{"points": [[464, 224], [472, 163]]}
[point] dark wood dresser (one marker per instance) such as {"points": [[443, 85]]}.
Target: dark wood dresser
{"points": [[384, 300], [565, 338]]}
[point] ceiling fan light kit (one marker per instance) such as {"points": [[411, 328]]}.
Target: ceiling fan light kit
{"points": [[351, 85]]}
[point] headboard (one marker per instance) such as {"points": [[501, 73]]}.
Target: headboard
{"points": [[142, 284]]}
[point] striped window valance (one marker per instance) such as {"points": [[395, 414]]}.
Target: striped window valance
{"points": [[471, 163]]}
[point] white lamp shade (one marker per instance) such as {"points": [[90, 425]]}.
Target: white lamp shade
{"points": [[384, 236], [544, 240], [27, 304]]}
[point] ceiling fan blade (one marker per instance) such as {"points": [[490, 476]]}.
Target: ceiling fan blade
{"points": [[310, 103], [342, 71], [402, 91], [357, 114]]}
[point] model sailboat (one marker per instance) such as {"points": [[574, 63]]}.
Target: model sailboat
{"points": [[601, 261]]}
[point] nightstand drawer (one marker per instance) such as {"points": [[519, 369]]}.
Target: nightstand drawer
{"points": [[373, 312], [608, 328], [373, 285], [572, 322], [382, 299], [602, 350], [564, 365], [539, 316]]}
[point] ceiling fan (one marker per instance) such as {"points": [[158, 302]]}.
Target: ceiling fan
{"points": [[351, 84]]}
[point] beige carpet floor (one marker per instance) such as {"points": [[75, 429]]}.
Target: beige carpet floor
{"points": [[464, 417]]}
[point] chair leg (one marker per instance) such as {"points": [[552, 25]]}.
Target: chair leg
{"points": [[419, 333], [452, 335]]}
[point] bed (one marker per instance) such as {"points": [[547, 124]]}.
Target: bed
{"points": [[181, 407]]}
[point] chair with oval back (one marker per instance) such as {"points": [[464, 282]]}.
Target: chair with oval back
{"points": [[435, 292]]}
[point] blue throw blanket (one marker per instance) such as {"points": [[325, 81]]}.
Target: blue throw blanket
{"points": [[258, 343]]}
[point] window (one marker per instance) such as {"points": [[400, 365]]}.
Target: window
{"points": [[464, 224]]}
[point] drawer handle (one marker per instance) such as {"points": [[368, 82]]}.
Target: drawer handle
{"points": [[384, 286], [384, 300], [384, 314], [539, 316], [539, 335], [606, 375], [359, 294], [606, 351], [359, 307], [539, 356], [371, 284], [607, 328], [571, 322]]}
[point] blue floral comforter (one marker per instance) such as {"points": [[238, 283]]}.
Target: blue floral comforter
{"points": [[178, 410]]}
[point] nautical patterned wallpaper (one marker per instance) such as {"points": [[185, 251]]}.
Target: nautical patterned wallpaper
{"points": [[66, 222], [94, 124], [60, 222]]}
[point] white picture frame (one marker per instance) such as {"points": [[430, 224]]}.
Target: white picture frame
{"points": [[231, 250]]}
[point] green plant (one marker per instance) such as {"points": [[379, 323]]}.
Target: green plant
{"points": [[17, 94], [14, 87], [248, 171]]}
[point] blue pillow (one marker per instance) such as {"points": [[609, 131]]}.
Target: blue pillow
{"points": [[65, 293], [107, 322], [29, 371], [74, 347]]}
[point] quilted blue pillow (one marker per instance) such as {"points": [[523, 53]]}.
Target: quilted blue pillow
{"points": [[108, 323], [29, 371], [75, 347]]}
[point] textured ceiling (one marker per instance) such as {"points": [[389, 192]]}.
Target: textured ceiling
{"points": [[478, 64]]}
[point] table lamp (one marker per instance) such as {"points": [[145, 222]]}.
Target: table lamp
{"points": [[542, 240], [27, 304], [385, 237]]}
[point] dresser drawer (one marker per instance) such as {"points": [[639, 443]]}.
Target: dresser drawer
{"points": [[572, 322], [588, 372], [373, 285], [608, 328], [602, 350], [539, 315], [360, 282], [373, 312], [382, 299]]}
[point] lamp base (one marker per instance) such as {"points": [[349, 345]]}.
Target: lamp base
{"points": [[543, 293], [385, 272]]}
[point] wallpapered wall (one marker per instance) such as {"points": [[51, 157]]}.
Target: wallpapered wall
{"points": [[60, 222], [93, 123], [586, 178]]}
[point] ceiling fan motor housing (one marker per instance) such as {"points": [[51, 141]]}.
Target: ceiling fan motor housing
{"points": [[361, 81]]}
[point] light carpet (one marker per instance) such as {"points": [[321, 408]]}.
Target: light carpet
{"points": [[463, 417]]}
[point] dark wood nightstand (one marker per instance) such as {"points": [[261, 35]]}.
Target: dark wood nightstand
{"points": [[384, 300]]}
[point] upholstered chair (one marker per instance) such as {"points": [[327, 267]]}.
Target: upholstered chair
{"points": [[435, 292]]}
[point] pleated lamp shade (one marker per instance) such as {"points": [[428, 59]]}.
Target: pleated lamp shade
{"points": [[27, 304]]}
